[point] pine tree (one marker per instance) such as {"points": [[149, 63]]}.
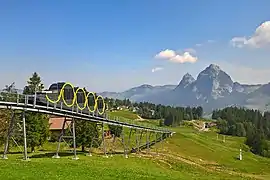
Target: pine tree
{"points": [[240, 130], [199, 111], [168, 120], [37, 125], [34, 84], [222, 125]]}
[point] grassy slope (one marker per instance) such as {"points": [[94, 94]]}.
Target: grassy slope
{"points": [[99, 168], [203, 149], [189, 154], [124, 114], [131, 117]]}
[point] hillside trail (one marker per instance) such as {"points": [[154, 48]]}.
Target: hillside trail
{"points": [[139, 118], [211, 166], [205, 165], [199, 126]]}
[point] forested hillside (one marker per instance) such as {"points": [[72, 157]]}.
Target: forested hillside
{"points": [[171, 115], [251, 124]]}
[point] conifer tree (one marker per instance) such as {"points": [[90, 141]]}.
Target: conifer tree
{"points": [[34, 84], [245, 122], [37, 125]]}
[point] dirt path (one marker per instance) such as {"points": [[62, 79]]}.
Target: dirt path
{"points": [[209, 166], [200, 126], [139, 118]]}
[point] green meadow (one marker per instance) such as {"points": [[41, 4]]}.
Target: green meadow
{"points": [[188, 154]]}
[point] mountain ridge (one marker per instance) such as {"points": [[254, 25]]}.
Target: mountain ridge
{"points": [[213, 88]]}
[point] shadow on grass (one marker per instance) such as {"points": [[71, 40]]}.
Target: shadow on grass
{"points": [[109, 153], [17, 152], [236, 158], [66, 154], [50, 155]]}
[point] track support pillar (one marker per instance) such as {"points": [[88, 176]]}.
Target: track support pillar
{"points": [[139, 143], [74, 140], [124, 144], [25, 157], [103, 141], [62, 136], [156, 140], [148, 134]]}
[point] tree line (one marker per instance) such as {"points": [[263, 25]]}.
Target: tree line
{"points": [[171, 115], [252, 124]]}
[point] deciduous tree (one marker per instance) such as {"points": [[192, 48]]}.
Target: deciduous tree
{"points": [[8, 94], [85, 132], [116, 130]]}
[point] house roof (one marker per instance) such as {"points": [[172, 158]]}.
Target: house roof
{"points": [[56, 123]]}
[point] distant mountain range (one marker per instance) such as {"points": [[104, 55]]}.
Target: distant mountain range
{"points": [[212, 89]]}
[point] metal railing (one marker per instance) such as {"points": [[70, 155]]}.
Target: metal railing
{"points": [[39, 101]]}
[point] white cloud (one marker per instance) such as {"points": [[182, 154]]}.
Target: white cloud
{"points": [[166, 54], [198, 45], [157, 69], [259, 39], [186, 57], [172, 56], [239, 41]]}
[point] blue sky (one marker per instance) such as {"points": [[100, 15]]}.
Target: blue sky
{"points": [[112, 45]]}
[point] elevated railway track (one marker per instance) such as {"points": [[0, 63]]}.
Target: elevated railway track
{"points": [[77, 107]]}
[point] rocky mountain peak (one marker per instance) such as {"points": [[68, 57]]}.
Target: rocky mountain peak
{"points": [[212, 70], [187, 75], [213, 82], [186, 80], [145, 86], [214, 67]]}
